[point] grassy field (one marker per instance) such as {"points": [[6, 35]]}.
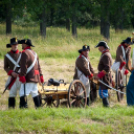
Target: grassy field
{"points": [[93, 120], [58, 53]]}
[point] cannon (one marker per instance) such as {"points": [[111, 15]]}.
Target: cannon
{"points": [[55, 92]]}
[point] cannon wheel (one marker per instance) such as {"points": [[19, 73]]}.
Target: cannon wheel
{"points": [[77, 94], [120, 96], [48, 101]]}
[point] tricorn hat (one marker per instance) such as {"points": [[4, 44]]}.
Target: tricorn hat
{"points": [[102, 43], [129, 41], [13, 41], [26, 41], [84, 48]]}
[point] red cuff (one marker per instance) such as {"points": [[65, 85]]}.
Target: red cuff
{"points": [[41, 79], [126, 72], [10, 72], [101, 74], [122, 64], [22, 79], [90, 76]]}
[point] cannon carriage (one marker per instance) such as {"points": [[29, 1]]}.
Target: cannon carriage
{"points": [[53, 93]]}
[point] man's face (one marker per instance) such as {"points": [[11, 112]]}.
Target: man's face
{"points": [[126, 44], [14, 47], [85, 53], [101, 48], [23, 46]]}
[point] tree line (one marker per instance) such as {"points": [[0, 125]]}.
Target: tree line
{"points": [[118, 14]]}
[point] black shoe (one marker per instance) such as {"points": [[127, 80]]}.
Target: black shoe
{"points": [[105, 102], [11, 102], [87, 101], [23, 102], [36, 100]]}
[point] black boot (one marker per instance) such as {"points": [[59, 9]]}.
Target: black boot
{"points": [[40, 98], [88, 101], [11, 102], [105, 102], [36, 100], [23, 102]]}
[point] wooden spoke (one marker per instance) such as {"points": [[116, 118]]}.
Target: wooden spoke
{"points": [[73, 101], [54, 104], [81, 92], [73, 91], [82, 103]]}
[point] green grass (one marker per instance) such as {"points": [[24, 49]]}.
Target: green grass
{"points": [[58, 52], [62, 120]]}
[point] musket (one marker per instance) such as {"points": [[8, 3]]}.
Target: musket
{"points": [[12, 79]]}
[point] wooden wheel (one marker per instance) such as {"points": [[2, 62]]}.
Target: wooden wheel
{"points": [[77, 94], [50, 100]]}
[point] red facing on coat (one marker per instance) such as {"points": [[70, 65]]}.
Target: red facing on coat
{"points": [[22, 79], [10, 72], [90, 76], [101, 74], [122, 64], [41, 79]]}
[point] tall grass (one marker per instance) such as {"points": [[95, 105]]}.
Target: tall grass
{"points": [[59, 43]]}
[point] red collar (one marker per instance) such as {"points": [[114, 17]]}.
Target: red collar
{"points": [[81, 55], [123, 45], [26, 48], [14, 52], [105, 51]]}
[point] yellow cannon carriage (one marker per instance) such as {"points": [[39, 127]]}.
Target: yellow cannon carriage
{"points": [[53, 93]]}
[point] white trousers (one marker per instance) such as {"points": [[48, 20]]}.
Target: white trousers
{"points": [[15, 87], [30, 88]]}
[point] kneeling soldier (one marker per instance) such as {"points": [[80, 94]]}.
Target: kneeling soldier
{"points": [[83, 69], [104, 74], [30, 74], [11, 66]]}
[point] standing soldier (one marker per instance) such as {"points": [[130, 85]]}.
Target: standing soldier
{"points": [[120, 66], [30, 74], [123, 55], [104, 74], [11, 66], [83, 69]]}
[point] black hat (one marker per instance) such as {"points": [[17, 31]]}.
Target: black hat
{"points": [[128, 40], [102, 43], [13, 41], [84, 48], [26, 41]]}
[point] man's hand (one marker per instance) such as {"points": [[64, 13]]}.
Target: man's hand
{"points": [[96, 76], [14, 74]]}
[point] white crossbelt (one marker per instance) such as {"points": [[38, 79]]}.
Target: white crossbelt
{"points": [[32, 65], [13, 61]]}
